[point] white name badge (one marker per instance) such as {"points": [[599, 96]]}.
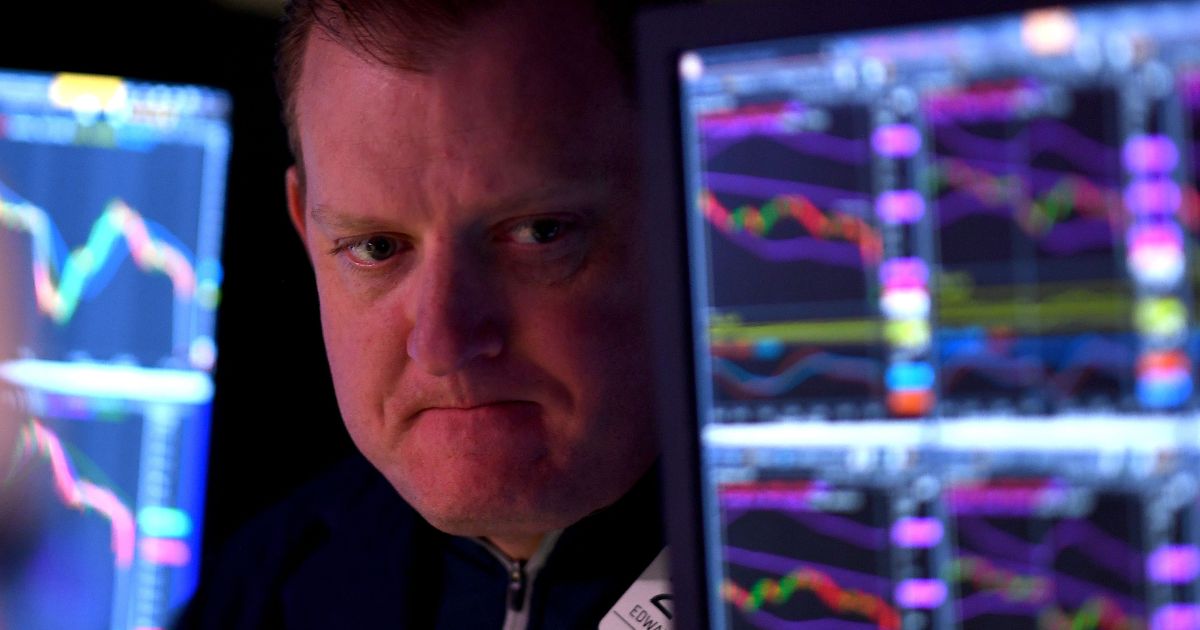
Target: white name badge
{"points": [[647, 604]]}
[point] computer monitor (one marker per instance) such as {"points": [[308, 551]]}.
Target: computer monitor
{"points": [[111, 205], [942, 313]]}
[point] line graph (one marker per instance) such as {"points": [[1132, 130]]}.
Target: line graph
{"points": [[1041, 136], [819, 554], [1034, 195], [1070, 194], [1098, 612], [760, 221], [783, 123], [1040, 550], [785, 192], [1010, 585], [1059, 366], [801, 366], [61, 280], [77, 493], [840, 600]]}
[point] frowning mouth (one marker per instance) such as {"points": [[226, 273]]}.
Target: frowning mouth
{"points": [[498, 411]]}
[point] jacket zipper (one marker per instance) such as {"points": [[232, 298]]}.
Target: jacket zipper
{"points": [[517, 584]]}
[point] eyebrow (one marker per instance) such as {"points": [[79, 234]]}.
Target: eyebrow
{"points": [[561, 192], [332, 219]]}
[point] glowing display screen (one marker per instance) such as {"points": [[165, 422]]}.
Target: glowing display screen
{"points": [[945, 281]]}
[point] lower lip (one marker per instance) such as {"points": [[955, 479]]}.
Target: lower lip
{"points": [[504, 428], [500, 412]]}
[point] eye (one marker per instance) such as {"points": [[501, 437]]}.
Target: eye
{"points": [[540, 231], [372, 250]]}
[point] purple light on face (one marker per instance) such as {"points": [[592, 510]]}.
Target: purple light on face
{"points": [[1174, 564], [918, 532], [904, 273], [1149, 155], [1176, 617], [900, 206], [896, 140], [1153, 196], [920, 593]]}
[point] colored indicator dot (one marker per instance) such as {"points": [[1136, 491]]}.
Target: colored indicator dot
{"points": [[911, 334], [910, 375], [1176, 617], [1049, 31], [1156, 254], [1174, 564], [905, 303], [1160, 317], [1163, 362], [691, 66], [896, 207], [164, 522], [203, 353], [910, 404], [897, 140], [904, 273], [1164, 390], [1150, 155], [208, 295], [171, 552], [921, 593], [917, 532], [1153, 197]]}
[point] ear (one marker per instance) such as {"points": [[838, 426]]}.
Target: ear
{"points": [[295, 201]]}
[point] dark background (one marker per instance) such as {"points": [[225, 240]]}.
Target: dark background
{"points": [[275, 421]]}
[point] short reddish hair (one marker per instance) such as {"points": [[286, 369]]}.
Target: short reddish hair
{"points": [[411, 35]]}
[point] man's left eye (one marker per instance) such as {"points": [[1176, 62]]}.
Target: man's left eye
{"points": [[539, 231]]}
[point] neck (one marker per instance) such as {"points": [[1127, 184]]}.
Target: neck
{"points": [[518, 547]]}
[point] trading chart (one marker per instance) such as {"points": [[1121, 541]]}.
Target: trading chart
{"points": [[111, 198], [947, 278]]}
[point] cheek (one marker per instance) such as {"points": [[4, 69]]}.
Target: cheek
{"points": [[359, 341], [596, 342]]}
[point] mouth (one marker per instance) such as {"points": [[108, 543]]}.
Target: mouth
{"points": [[497, 411]]}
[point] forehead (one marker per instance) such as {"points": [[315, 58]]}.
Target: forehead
{"points": [[509, 90]]}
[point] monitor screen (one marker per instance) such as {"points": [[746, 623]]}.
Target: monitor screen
{"points": [[111, 202], [944, 283]]}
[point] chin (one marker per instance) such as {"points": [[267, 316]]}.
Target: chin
{"points": [[482, 504]]}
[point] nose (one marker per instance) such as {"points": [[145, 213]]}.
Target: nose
{"points": [[455, 310]]}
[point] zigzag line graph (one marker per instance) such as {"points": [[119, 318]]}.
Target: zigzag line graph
{"points": [[60, 281], [77, 493], [759, 221], [1011, 585], [1071, 194], [1099, 612], [838, 599]]}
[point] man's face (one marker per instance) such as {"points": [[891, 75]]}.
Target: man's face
{"points": [[476, 242]]}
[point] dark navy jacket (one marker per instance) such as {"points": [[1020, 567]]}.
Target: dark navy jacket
{"points": [[348, 552]]}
